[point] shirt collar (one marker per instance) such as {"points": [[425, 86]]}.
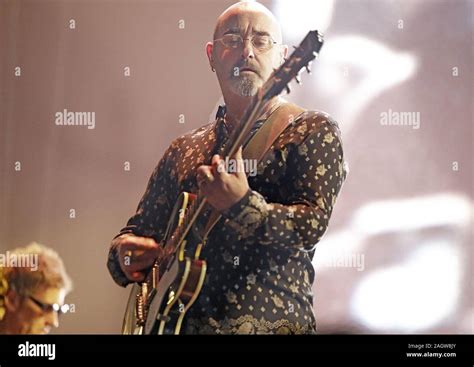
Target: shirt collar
{"points": [[220, 112]]}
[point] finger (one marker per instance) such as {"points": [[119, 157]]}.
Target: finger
{"points": [[138, 243], [201, 170], [208, 175], [240, 163], [138, 253], [203, 175], [139, 256], [215, 159], [128, 267], [141, 251], [239, 153], [137, 276], [219, 169], [133, 264]]}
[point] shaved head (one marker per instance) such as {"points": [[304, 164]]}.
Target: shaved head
{"points": [[243, 69], [248, 6]]}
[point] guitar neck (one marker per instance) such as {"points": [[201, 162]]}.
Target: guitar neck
{"points": [[236, 139], [240, 135], [301, 57]]}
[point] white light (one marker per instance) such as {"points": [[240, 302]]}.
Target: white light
{"points": [[342, 243], [64, 308], [411, 214], [297, 17], [412, 296], [371, 68]]}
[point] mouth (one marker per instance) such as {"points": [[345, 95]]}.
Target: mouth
{"points": [[248, 70]]}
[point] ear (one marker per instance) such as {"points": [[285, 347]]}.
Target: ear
{"points": [[209, 48]]}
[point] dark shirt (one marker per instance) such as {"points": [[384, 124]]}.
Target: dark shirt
{"points": [[259, 255]]}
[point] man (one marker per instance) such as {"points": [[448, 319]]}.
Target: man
{"points": [[32, 292], [259, 275]]}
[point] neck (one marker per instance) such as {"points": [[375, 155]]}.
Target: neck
{"points": [[236, 107]]}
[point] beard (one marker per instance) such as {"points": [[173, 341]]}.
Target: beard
{"points": [[246, 85]]}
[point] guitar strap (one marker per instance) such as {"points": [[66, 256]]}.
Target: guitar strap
{"points": [[271, 129], [261, 142]]}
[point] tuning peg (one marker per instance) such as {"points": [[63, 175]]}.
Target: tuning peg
{"points": [[308, 69], [298, 80], [287, 89]]}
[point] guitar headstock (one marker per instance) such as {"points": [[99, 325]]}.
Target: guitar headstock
{"points": [[301, 57]]}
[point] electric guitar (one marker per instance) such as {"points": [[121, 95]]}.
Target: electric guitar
{"points": [[159, 304]]}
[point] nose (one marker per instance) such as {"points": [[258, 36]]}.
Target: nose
{"points": [[52, 319], [247, 49]]}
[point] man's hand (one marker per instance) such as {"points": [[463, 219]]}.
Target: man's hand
{"points": [[223, 189], [136, 254]]}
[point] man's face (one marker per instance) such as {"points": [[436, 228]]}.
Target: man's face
{"points": [[243, 70], [35, 314]]}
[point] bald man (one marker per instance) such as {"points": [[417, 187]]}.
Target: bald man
{"points": [[259, 277]]}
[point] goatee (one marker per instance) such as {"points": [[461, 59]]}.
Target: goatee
{"points": [[245, 86]]}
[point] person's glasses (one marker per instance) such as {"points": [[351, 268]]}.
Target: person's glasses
{"points": [[261, 42], [47, 307]]}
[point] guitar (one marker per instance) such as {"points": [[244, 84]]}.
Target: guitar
{"points": [[159, 304]]}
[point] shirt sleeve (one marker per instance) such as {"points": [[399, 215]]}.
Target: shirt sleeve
{"points": [[315, 177], [152, 214]]}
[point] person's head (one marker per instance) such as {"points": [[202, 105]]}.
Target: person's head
{"points": [[243, 67], [31, 296]]}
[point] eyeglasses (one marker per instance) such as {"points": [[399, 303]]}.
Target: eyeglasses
{"points": [[261, 42], [47, 307]]}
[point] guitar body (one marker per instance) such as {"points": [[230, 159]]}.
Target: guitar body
{"points": [[160, 303]]}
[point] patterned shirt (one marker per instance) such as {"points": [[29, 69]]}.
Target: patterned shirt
{"points": [[259, 255]]}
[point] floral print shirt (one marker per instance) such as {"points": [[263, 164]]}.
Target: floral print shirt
{"points": [[259, 255]]}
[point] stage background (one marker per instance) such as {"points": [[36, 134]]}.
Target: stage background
{"points": [[397, 257]]}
